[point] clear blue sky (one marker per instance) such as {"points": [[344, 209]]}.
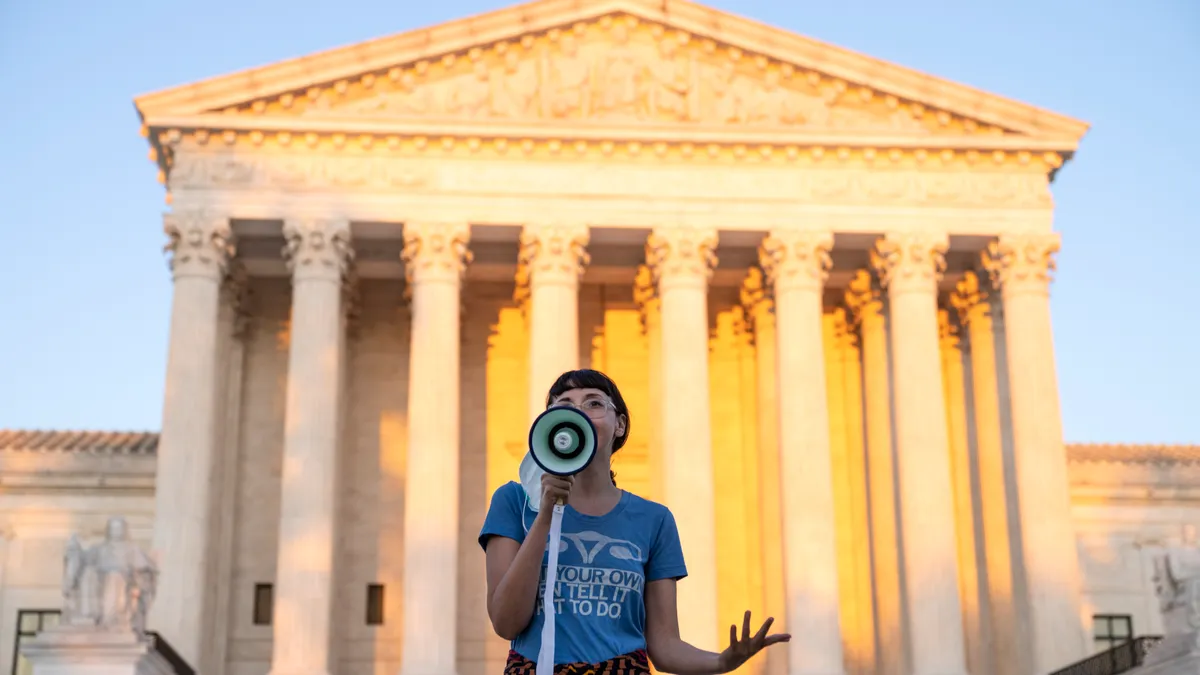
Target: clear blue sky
{"points": [[84, 288]]}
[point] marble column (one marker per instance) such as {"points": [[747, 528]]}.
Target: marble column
{"points": [[235, 316], [682, 261], [796, 263], [865, 302], [760, 308], [975, 619], [848, 347], [645, 296], [318, 253], [1021, 266], [910, 266], [435, 259], [973, 303], [552, 259], [200, 246]]}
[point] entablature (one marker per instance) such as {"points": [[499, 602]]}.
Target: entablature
{"points": [[664, 75]]}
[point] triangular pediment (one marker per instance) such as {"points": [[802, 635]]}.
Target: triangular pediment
{"points": [[662, 64]]}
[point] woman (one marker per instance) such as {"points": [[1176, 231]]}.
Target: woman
{"points": [[618, 564]]}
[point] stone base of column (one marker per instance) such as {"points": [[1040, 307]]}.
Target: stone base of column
{"points": [[72, 650]]}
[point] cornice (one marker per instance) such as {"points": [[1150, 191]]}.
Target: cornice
{"points": [[171, 129], [1128, 453]]}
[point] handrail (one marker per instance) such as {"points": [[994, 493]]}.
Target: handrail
{"points": [[164, 649], [1125, 656]]}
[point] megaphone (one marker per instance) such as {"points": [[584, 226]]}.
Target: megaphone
{"points": [[562, 441]]}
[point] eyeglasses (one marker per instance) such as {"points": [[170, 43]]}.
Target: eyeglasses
{"points": [[594, 408]]}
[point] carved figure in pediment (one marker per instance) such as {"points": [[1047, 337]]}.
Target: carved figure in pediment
{"points": [[408, 99], [902, 119], [816, 111], [673, 78], [110, 585], [568, 77], [622, 85], [732, 93], [770, 103], [472, 96], [517, 92]]}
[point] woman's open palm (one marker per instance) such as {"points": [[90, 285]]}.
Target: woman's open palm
{"points": [[743, 649]]}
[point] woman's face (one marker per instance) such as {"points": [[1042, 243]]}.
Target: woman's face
{"points": [[600, 409]]}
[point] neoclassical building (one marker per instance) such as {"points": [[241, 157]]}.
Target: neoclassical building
{"points": [[821, 281]]}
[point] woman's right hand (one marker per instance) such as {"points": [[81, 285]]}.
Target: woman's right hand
{"points": [[555, 488]]}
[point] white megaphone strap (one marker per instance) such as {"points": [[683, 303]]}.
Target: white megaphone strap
{"points": [[545, 660], [531, 481]]}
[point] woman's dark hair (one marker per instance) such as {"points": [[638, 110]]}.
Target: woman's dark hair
{"points": [[593, 379]]}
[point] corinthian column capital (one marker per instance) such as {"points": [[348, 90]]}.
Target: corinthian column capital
{"points": [[969, 298], [681, 256], [755, 293], [863, 298], [317, 248], [236, 288], [554, 253], [199, 243], [645, 296], [1022, 262], [793, 258], [948, 329], [436, 252], [911, 261]]}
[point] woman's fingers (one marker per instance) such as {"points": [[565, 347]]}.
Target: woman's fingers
{"points": [[776, 639], [556, 488], [761, 635]]}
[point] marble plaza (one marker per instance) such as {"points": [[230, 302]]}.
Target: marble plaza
{"points": [[821, 280]]}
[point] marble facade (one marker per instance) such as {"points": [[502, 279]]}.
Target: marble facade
{"points": [[821, 281]]}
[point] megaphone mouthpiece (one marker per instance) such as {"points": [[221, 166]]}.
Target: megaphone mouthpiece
{"points": [[563, 441]]}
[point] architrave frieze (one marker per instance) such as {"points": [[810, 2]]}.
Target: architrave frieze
{"points": [[514, 185]]}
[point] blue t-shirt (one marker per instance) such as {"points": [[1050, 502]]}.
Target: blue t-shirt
{"points": [[604, 563]]}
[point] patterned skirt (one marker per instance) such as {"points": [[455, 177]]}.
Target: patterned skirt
{"points": [[633, 663]]}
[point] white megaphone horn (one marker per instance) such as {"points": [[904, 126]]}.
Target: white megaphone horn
{"points": [[562, 442]]}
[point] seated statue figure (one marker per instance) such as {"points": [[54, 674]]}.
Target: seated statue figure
{"points": [[110, 585], [1177, 585]]}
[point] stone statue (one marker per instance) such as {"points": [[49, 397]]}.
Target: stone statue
{"points": [[110, 585], [569, 80], [474, 96], [1177, 585]]}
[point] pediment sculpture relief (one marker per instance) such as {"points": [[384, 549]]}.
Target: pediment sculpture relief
{"points": [[109, 585], [620, 71]]}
